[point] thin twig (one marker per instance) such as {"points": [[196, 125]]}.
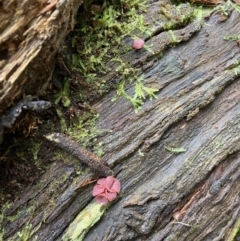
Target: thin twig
{"points": [[81, 153]]}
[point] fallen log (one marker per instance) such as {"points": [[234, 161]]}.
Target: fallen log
{"points": [[177, 158]]}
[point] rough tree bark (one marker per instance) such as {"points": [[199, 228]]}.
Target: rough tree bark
{"points": [[197, 108]]}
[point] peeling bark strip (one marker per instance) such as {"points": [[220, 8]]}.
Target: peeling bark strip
{"points": [[27, 61], [82, 154]]}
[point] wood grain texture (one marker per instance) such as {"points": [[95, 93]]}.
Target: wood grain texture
{"points": [[197, 109], [29, 40]]}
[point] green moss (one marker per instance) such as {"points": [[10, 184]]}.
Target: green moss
{"points": [[140, 92], [83, 222], [225, 9], [23, 235], [175, 150], [235, 68], [83, 129], [35, 149], [235, 231], [174, 39], [63, 95], [63, 122], [233, 37], [2, 217], [200, 12], [104, 27], [26, 234], [99, 43], [175, 16], [234, 5]]}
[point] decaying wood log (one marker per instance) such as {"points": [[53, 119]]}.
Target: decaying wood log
{"points": [[30, 35], [194, 195]]}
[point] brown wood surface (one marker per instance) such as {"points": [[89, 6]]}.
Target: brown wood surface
{"points": [[197, 108], [30, 35]]}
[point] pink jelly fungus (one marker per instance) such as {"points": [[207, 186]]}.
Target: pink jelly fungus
{"points": [[106, 190], [138, 43]]}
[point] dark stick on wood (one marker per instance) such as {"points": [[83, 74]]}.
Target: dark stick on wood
{"points": [[82, 154]]}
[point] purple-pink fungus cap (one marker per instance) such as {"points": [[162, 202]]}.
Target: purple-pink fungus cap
{"points": [[138, 43], [106, 190]]}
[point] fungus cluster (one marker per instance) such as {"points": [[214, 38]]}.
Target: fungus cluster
{"points": [[106, 190]]}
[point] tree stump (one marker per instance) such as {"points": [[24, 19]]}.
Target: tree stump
{"points": [[177, 158]]}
